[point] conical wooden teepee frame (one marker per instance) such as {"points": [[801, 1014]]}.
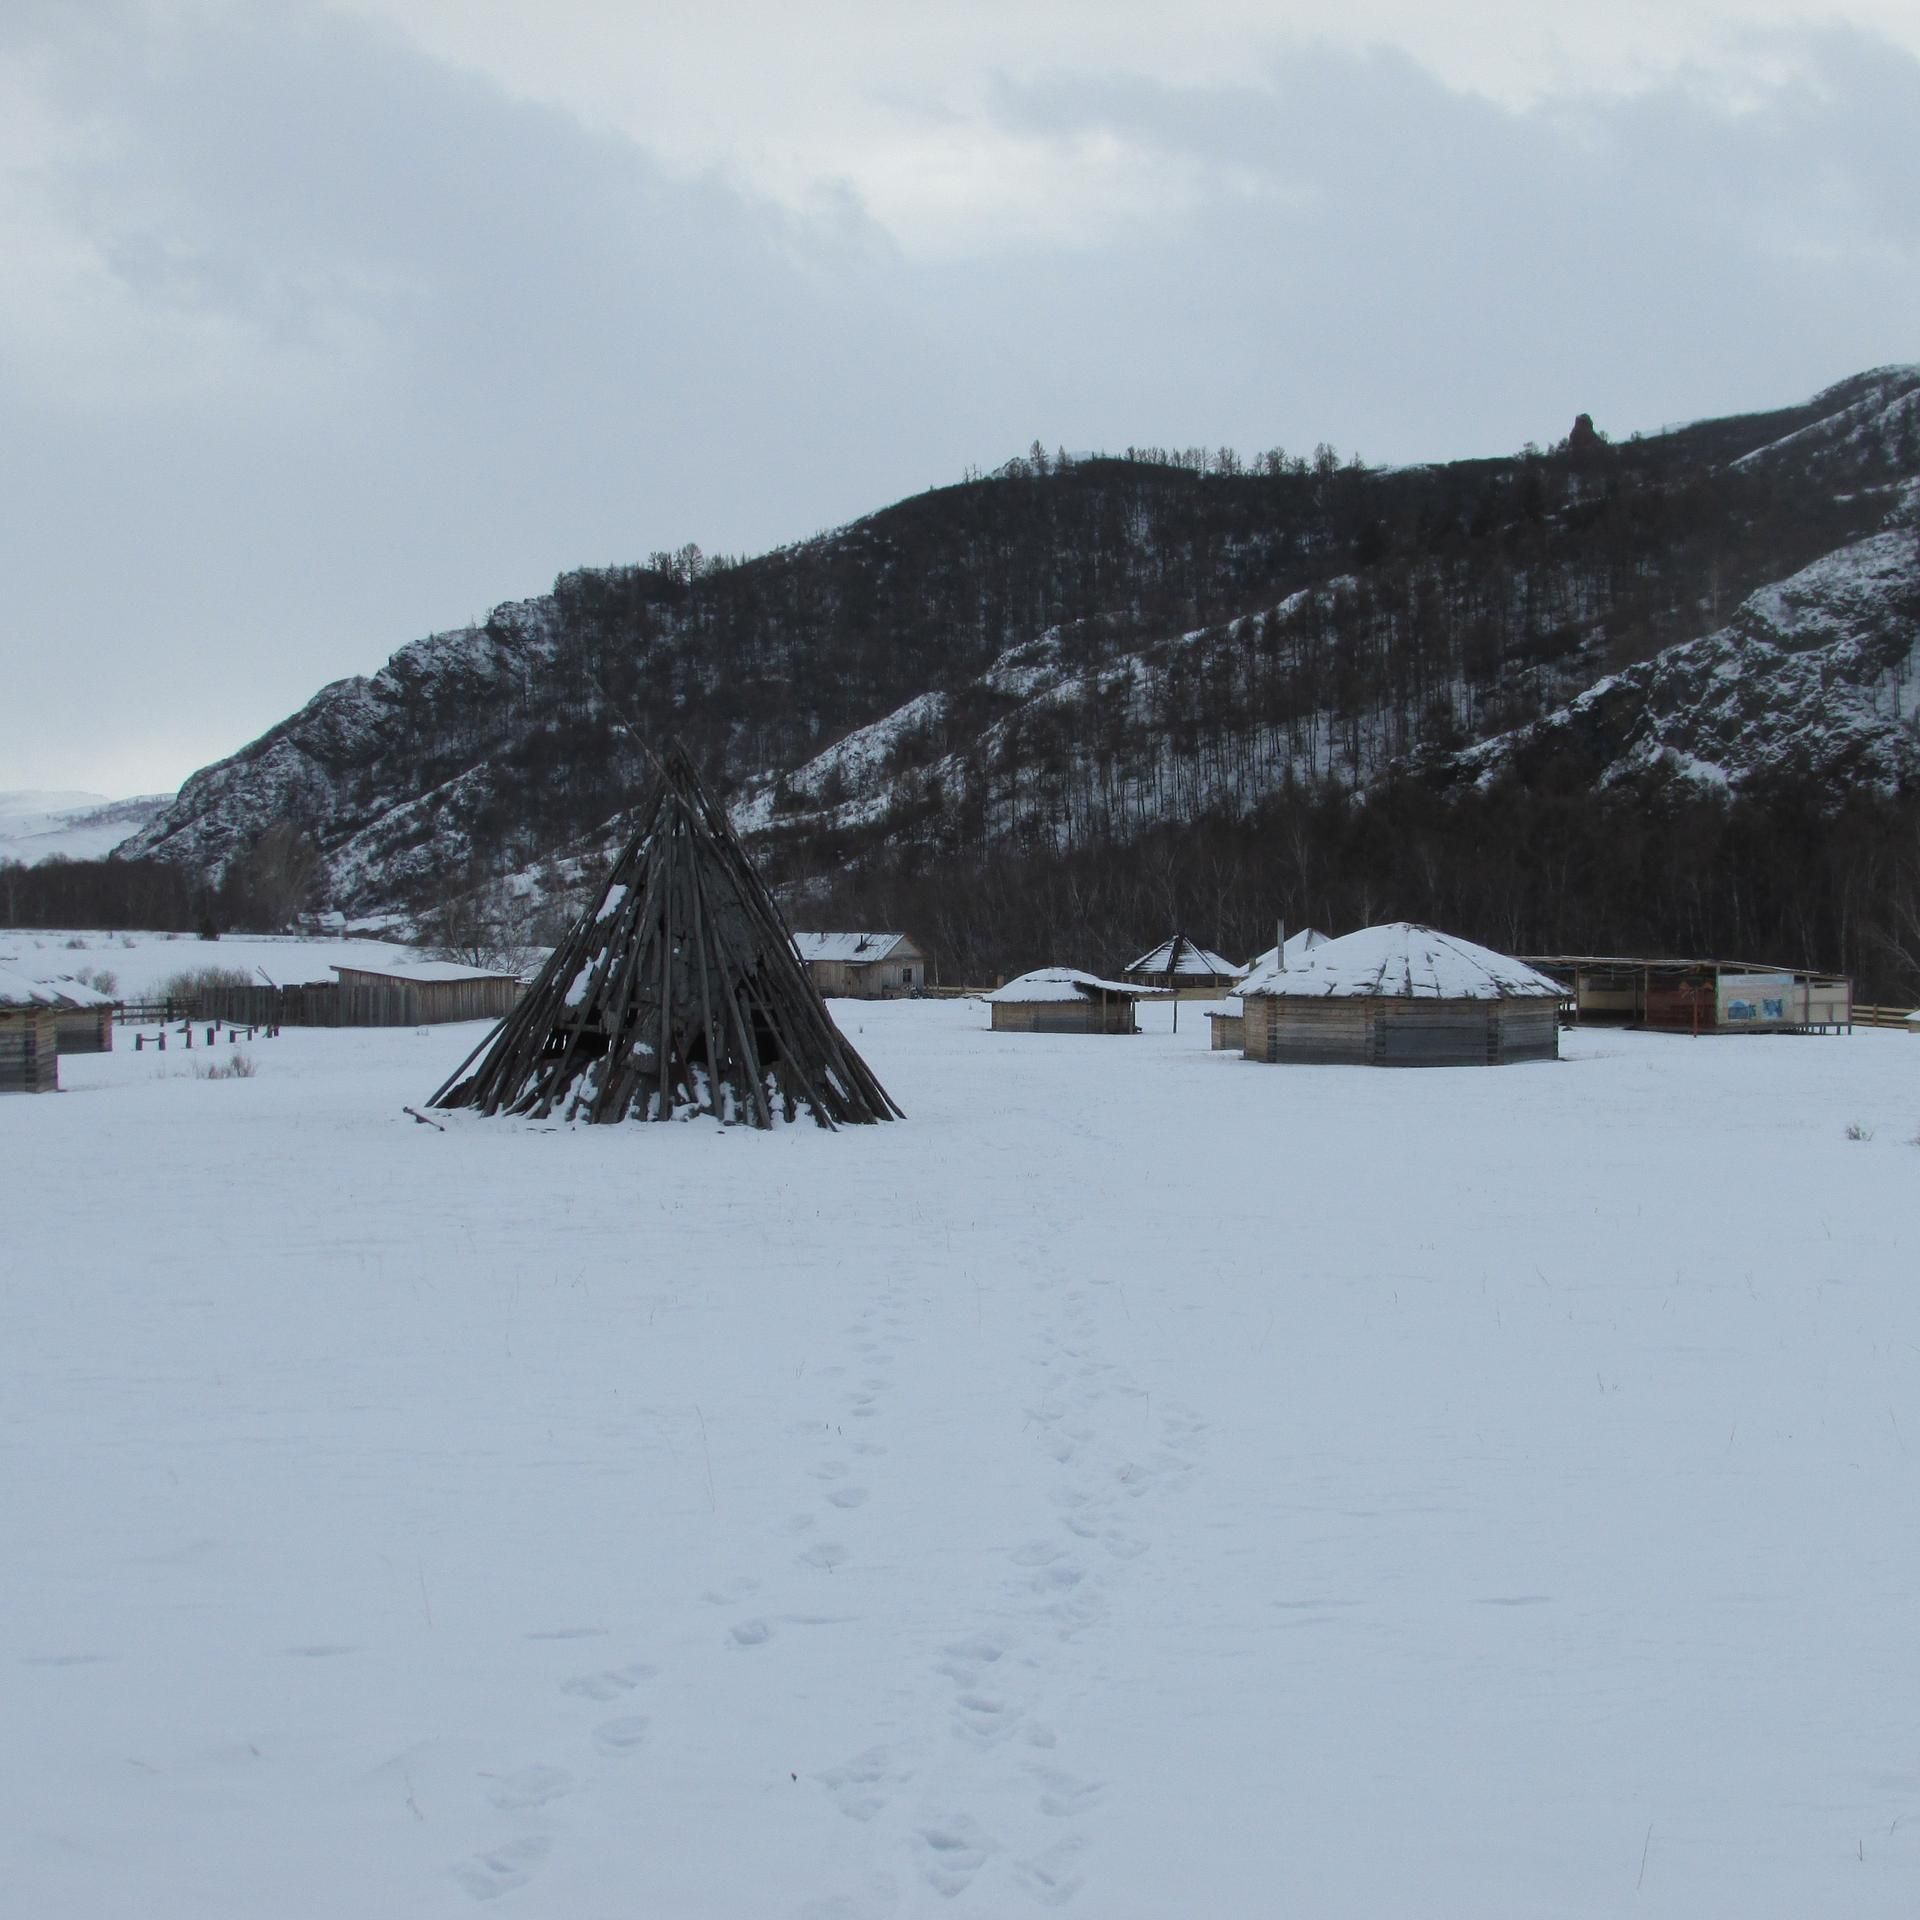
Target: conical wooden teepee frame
{"points": [[677, 992]]}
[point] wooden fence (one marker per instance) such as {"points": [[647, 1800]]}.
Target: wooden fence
{"points": [[386, 1003], [1884, 1017]]}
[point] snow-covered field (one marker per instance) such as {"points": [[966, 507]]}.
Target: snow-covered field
{"points": [[1142, 1482], [143, 963]]}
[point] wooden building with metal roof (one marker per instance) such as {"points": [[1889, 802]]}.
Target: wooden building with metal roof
{"points": [[863, 966]]}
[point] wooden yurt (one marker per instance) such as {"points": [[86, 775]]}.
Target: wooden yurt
{"points": [[1185, 967], [29, 1036], [84, 1016], [1402, 996], [1065, 1000]]}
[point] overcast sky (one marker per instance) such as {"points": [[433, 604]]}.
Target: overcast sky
{"points": [[328, 323]]}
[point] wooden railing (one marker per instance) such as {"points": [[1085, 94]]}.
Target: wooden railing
{"points": [[1885, 1017]]}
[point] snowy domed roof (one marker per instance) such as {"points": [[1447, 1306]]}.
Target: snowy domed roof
{"points": [[76, 993], [1065, 983], [1402, 961]]}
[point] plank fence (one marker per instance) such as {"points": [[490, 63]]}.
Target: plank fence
{"points": [[1884, 1017], [385, 1003]]}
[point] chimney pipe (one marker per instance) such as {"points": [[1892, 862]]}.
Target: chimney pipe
{"points": [[1280, 955]]}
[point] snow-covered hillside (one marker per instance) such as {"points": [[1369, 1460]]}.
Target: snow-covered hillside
{"points": [[1030, 1506], [37, 826], [1821, 669]]}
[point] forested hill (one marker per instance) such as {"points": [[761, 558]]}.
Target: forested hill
{"points": [[1120, 685]]}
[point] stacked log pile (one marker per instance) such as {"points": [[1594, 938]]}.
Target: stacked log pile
{"points": [[676, 993]]}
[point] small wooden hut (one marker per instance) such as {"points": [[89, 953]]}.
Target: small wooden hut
{"points": [[29, 1036], [84, 1016], [1181, 966], [1065, 1000], [677, 992], [1402, 996]]}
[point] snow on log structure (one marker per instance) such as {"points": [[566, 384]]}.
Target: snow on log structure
{"points": [[1185, 967], [1065, 1000], [1402, 996], [677, 992], [29, 1036]]}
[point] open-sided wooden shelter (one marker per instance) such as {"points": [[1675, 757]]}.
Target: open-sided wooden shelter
{"points": [[29, 1036], [1701, 996], [677, 992], [1402, 996], [1183, 966]]}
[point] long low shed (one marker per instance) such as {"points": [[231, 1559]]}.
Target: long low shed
{"points": [[1701, 996], [427, 994]]}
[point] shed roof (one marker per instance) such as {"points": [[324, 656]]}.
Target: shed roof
{"points": [[1403, 961], [16, 990], [860, 949], [76, 993], [423, 973], [1066, 984], [1183, 956]]}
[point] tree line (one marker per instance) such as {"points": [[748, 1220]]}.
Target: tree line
{"points": [[1655, 867]]}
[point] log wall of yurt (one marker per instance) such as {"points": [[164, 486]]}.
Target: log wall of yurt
{"points": [[29, 1050], [1361, 1031]]}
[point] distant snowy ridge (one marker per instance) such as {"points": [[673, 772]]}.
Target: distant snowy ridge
{"points": [[72, 826]]}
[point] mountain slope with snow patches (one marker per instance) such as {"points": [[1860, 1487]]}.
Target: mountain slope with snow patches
{"points": [[1076, 655]]}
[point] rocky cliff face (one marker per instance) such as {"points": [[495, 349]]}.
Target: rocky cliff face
{"points": [[1064, 656], [1819, 672]]}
